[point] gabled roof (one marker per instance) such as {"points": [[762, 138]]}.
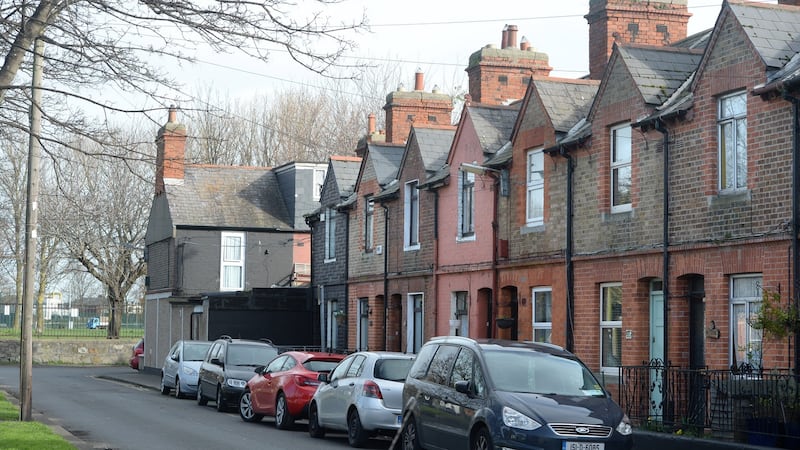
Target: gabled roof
{"points": [[493, 124], [385, 160], [434, 146], [566, 101], [773, 30], [345, 169], [228, 197], [659, 71]]}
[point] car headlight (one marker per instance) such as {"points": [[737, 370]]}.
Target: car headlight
{"points": [[624, 428], [515, 419], [189, 371], [236, 383]]}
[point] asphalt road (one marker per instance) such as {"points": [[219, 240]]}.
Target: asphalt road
{"points": [[108, 414]]}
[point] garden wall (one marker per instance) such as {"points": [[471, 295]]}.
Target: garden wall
{"points": [[71, 351]]}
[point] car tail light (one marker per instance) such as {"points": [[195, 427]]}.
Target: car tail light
{"points": [[371, 389], [301, 380]]}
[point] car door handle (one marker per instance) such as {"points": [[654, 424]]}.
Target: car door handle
{"points": [[351, 384]]}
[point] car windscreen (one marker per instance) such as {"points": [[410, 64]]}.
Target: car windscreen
{"points": [[250, 355], [320, 365], [195, 351], [540, 373], [393, 369]]}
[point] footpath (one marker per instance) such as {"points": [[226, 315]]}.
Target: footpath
{"points": [[642, 440]]}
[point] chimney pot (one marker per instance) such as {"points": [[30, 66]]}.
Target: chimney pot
{"points": [[419, 84], [524, 44], [512, 36], [504, 39], [371, 124], [172, 116]]}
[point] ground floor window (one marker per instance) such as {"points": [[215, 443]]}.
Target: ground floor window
{"points": [[745, 303], [611, 327], [542, 319]]}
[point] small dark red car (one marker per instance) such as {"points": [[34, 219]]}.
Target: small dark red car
{"points": [[138, 349], [284, 387]]}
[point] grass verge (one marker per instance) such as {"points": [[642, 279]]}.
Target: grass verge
{"points": [[26, 435]]}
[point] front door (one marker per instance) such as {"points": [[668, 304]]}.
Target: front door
{"points": [[414, 319], [656, 348]]}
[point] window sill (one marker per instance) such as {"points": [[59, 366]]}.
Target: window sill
{"points": [[411, 248], [331, 260], [466, 238], [729, 198], [532, 228]]}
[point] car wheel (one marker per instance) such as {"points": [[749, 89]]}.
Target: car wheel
{"points": [[220, 400], [202, 401], [356, 434], [164, 388], [178, 393], [481, 440], [314, 428], [246, 409], [408, 435], [283, 419]]}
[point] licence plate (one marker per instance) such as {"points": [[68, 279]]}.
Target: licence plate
{"points": [[399, 420], [583, 446]]}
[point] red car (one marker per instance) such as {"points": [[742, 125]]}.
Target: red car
{"points": [[284, 387], [138, 349]]}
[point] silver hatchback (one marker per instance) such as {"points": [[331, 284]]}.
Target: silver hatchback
{"points": [[363, 396]]}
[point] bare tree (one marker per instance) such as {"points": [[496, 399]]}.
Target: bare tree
{"points": [[102, 217], [13, 172]]}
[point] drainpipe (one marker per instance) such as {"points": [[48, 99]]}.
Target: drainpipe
{"points": [[795, 216], [570, 325], [435, 265], [495, 256], [659, 126], [385, 276], [346, 261]]}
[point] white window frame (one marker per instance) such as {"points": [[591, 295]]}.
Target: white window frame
{"points": [[538, 323], [466, 206], [319, 181], [734, 121], [751, 304], [369, 224], [330, 235], [535, 186], [231, 260], [610, 325], [619, 164], [411, 216]]}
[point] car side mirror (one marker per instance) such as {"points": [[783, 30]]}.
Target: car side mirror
{"points": [[216, 362], [260, 370], [323, 377], [175, 358], [463, 387]]}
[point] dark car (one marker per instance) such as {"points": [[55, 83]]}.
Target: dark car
{"points": [[284, 387], [227, 367], [486, 394]]}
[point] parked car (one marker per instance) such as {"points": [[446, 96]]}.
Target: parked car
{"points": [[227, 367], [138, 349], [95, 323], [284, 387], [362, 396], [486, 394], [181, 364]]}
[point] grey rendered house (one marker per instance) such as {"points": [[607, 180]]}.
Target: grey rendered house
{"points": [[217, 231], [329, 253]]}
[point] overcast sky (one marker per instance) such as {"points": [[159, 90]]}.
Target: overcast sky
{"points": [[436, 36]]}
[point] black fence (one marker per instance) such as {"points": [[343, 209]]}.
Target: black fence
{"points": [[72, 321], [740, 405]]}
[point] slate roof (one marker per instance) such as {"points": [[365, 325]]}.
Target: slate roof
{"points": [[566, 101], [345, 169], [385, 160], [229, 197], [434, 146], [493, 124], [659, 71], [773, 30]]}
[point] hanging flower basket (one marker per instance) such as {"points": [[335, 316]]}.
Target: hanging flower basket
{"points": [[505, 322]]}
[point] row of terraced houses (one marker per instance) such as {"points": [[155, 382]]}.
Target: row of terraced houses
{"points": [[636, 215]]}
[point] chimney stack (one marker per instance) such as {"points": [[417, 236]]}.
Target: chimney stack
{"points": [[370, 124], [171, 152]]}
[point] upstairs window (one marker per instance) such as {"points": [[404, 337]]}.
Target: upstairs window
{"points": [[535, 192], [319, 180], [466, 205], [330, 234], [411, 222], [369, 224], [232, 262], [732, 122], [621, 168]]}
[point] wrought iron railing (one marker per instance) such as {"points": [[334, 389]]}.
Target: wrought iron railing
{"points": [[741, 404], [72, 321]]}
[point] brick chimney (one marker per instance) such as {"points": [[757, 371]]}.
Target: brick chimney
{"points": [[654, 22], [405, 109], [497, 76], [171, 151]]}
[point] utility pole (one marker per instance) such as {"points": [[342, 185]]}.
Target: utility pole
{"points": [[31, 218]]}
